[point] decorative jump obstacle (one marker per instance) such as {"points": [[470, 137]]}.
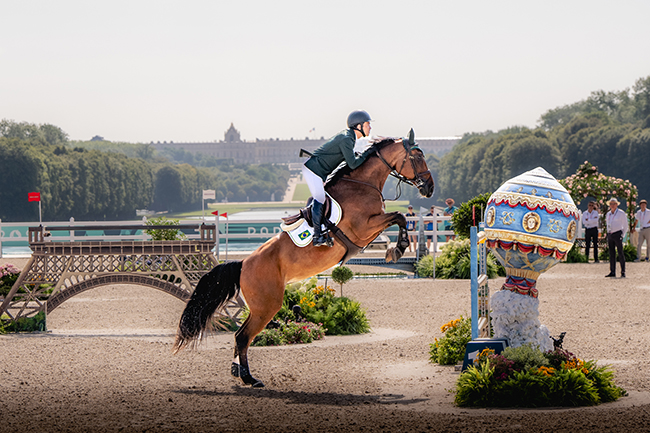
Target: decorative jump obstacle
{"points": [[480, 300], [530, 224], [58, 271]]}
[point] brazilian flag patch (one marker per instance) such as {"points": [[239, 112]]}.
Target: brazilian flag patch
{"points": [[304, 235]]}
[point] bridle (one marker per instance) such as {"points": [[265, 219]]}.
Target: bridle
{"points": [[417, 181]]}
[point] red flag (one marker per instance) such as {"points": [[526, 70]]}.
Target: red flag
{"points": [[34, 196], [225, 214], [216, 212]]}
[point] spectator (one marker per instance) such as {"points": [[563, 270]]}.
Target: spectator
{"points": [[448, 211], [616, 230], [411, 226], [429, 226], [643, 219], [590, 223]]}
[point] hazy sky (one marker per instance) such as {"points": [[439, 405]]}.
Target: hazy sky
{"points": [[143, 71]]}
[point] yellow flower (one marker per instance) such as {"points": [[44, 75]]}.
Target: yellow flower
{"points": [[449, 325], [484, 354], [545, 371]]}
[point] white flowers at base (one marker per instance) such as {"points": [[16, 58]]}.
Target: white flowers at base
{"points": [[516, 317]]}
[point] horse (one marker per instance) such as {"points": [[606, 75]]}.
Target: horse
{"points": [[262, 276]]}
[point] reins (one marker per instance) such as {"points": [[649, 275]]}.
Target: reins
{"points": [[367, 184], [417, 181]]}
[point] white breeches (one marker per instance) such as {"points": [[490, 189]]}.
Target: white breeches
{"points": [[315, 184]]}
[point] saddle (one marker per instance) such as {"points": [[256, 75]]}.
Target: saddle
{"points": [[305, 213], [301, 236]]}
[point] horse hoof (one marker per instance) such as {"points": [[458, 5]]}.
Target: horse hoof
{"points": [[393, 255], [250, 380], [245, 375]]}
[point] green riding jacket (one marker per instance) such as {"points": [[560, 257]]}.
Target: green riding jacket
{"points": [[338, 149]]}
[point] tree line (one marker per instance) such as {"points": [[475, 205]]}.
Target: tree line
{"points": [[90, 184], [609, 129]]}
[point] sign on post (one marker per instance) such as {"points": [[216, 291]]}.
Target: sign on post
{"points": [[36, 196], [208, 194]]}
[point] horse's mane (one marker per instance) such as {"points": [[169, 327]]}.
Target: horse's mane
{"points": [[345, 169]]}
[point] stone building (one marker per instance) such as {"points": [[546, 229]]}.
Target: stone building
{"points": [[276, 151]]}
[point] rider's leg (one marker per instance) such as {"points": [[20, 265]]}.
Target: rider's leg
{"points": [[317, 189]]}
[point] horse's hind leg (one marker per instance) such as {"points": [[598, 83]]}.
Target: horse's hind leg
{"points": [[252, 326]]}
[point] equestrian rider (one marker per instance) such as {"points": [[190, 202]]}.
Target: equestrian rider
{"points": [[325, 159]]}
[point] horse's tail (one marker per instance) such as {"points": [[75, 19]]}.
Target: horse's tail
{"points": [[212, 292]]}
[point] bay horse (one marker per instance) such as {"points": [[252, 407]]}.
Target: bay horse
{"points": [[263, 275]]}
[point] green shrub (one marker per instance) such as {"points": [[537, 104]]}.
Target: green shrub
{"points": [[424, 267], [8, 276], [37, 323], [454, 262], [318, 305], [269, 337], [344, 317], [575, 255], [341, 275], [164, 234], [290, 333], [450, 348], [525, 357], [628, 250], [462, 218]]}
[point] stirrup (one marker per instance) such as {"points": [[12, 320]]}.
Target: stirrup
{"points": [[323, 240]]}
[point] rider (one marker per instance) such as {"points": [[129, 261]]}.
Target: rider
{"points": [[327, 158]]}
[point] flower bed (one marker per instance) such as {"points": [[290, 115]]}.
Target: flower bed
{"points": [[522, 376], [309, 312], [527, 377]]}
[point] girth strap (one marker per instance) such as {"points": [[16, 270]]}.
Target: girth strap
{"points": [[351, 248]]}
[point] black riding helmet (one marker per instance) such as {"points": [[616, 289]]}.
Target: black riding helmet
{"points": [[357, 118]]}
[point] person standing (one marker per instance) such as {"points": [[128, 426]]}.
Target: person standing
{"points": [[448, 211], [590, 223], [429, 226], [642, 217], [616, 230], [410, 226]]}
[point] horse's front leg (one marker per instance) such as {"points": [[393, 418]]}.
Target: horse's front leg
{"points": [[386, 220]]}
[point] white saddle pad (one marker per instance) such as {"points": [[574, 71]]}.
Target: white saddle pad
{"points": [[301, 233]]}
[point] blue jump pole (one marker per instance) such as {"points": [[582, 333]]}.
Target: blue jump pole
{"points": [[473, 239]]}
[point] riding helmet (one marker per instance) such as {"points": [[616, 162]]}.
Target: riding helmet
{"points": [[357, 118]]}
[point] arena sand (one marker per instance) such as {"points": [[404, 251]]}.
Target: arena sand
{"points": [[107, 365]]}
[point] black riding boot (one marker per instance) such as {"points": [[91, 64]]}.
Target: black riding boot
{"points": [[317, 210]]}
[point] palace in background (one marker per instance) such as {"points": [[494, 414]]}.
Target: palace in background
{"points": [[276, 151]]}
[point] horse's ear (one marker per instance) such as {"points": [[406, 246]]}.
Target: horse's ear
{"points": [[411, 137]]}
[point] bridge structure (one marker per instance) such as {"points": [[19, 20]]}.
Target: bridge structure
{"points": [[57, 271]]}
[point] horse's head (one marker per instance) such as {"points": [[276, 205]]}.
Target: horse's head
{"points": [[397, 153]]}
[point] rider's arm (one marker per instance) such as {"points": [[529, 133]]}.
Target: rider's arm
{"points": [[347, 149]]}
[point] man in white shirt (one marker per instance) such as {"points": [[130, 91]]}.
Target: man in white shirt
{"points": [[616, 230], [590, 223], [643, 219]]}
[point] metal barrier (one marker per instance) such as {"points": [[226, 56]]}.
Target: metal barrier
{"points": [[232, 230]]}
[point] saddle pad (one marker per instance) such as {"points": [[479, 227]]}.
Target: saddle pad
{"points": [[301, 233]]}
